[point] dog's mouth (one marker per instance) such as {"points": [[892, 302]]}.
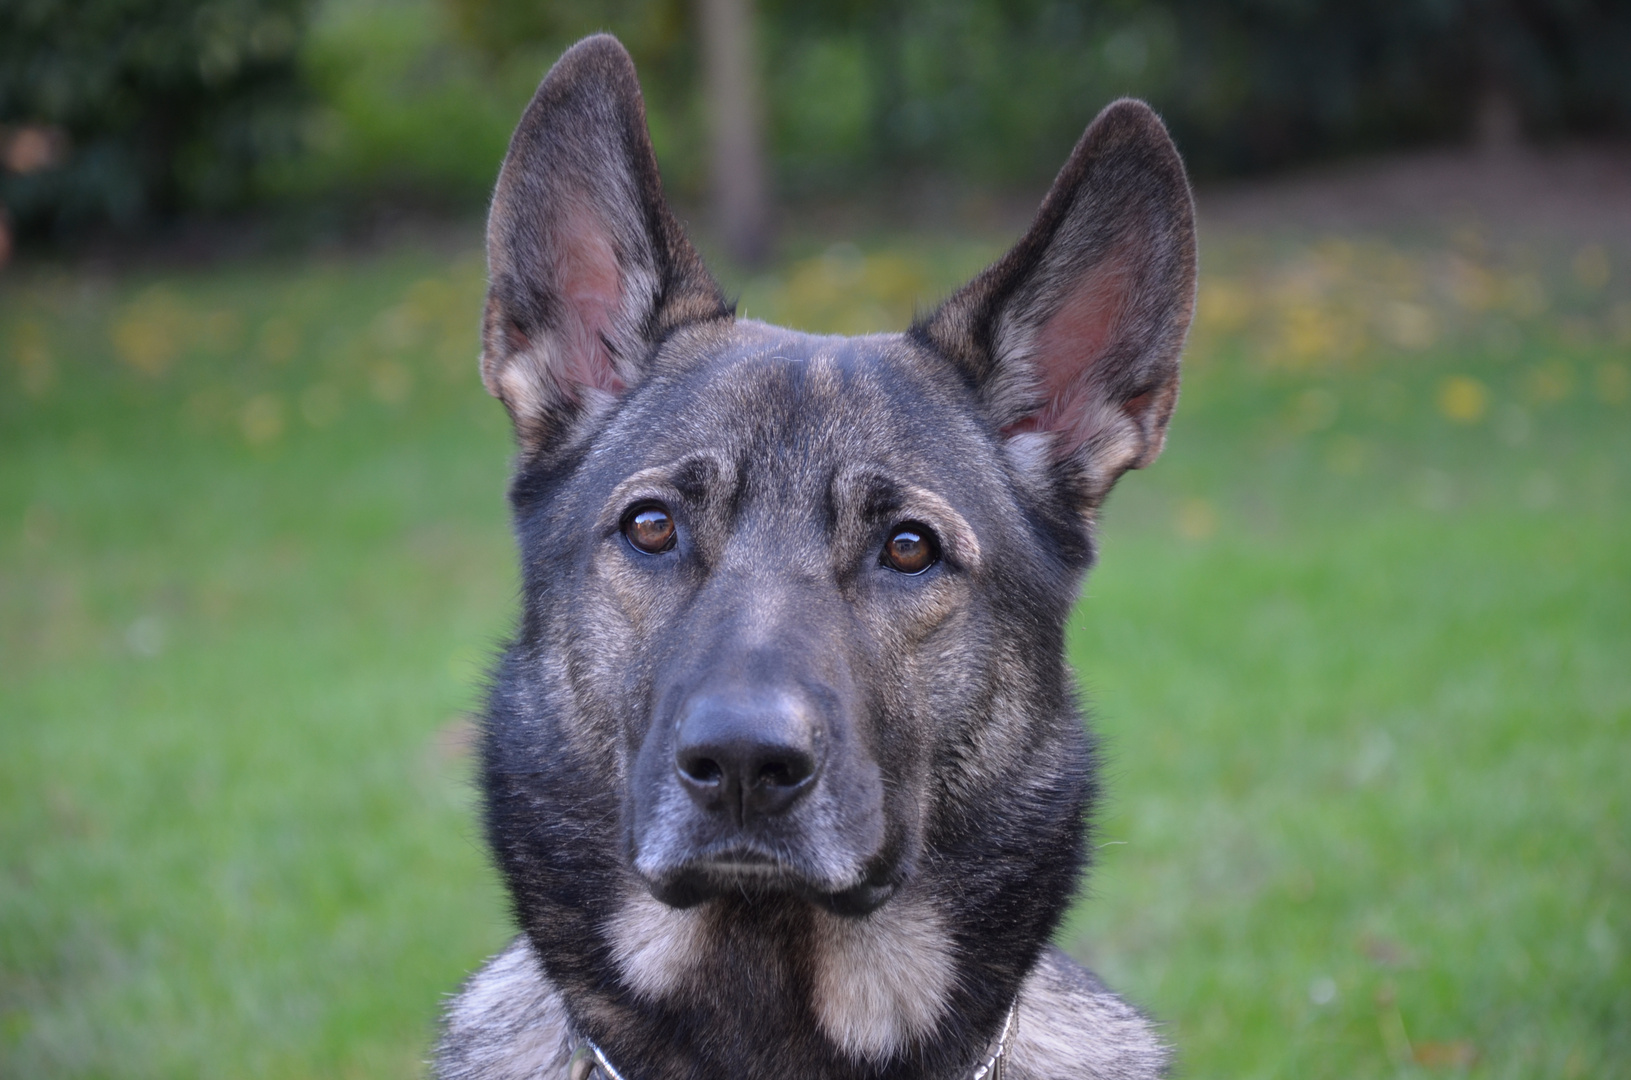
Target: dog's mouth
{"points": [[752, 873]]}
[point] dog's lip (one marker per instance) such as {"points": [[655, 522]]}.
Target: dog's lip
{"points": [[708, 875], [739, 861], [745, 867], [731, 867]]}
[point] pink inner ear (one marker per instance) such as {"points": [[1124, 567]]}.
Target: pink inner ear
{"points": [[1068, 345], [592, 288]]}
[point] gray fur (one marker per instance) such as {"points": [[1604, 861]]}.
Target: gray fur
{"points": [[508, 1023], [879, 921]]}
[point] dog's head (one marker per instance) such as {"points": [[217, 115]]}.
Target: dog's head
{"points": [[794, 605]]}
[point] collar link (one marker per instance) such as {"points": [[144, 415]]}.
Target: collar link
{"points": [[586, 1059], [992, 1067]]}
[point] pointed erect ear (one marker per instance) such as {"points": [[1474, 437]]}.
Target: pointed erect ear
{"points": [[1073, 337], [586, 266]]}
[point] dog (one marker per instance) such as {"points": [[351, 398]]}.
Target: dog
{"points": [[784, 767]]}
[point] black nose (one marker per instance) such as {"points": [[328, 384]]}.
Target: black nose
{"points": [[748, 755]]}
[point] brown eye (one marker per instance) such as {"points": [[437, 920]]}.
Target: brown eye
{"points": [[649, 528], [911, 550]]}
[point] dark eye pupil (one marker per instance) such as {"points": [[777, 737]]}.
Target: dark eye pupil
{"points": [[651, 530], [909, 551]]}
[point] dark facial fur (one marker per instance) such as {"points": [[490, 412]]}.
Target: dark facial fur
{"points": [[766, 805]]}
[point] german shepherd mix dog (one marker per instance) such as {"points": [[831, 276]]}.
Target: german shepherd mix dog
{"points": [[784, 768]]}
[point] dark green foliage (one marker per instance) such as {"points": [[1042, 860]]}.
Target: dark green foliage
{"points": [[172, 105], [1263, 82], [162, 104], [1003, 89], [661, 35], [999, 90], [652, 30]]}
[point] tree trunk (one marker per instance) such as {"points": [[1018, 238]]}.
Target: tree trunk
{"points": [[740, 203]]}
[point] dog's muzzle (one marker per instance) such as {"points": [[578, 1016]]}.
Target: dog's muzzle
{"points": [[756, 788]]}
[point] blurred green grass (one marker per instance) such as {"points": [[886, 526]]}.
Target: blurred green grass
{"points": [[1360, 645]]}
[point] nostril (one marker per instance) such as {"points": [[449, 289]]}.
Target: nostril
{"points": [[701, 770], [786, 773]]}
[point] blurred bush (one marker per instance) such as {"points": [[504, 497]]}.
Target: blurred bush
{"points": [[124, 110], [861, 90], [1259, 83], [405, 110], [661, 35], [416, 99]]}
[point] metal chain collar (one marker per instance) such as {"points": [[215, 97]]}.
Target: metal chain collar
{"points": [[587, 1058], [992, 1067]]}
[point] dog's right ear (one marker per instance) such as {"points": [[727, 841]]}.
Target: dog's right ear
{"points": [[586, 266]]}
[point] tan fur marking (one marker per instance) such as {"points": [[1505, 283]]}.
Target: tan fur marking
{"points": [[961, 543], [883, 979], [1030, 455], [656, 947]]}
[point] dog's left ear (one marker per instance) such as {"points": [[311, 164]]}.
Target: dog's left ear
{"points": [[587, 268], [1073, 337]]}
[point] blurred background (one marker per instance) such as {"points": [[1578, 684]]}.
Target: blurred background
{"points": [[1360, 643]]}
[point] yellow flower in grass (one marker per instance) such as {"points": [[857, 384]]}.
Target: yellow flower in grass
{"points": [[1308, 331], [1223, 306], [1463, 399], [150, 332], [1196, 520], [261, 420]]}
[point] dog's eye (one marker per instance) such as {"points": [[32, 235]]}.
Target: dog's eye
{"points": [[650, 528], [912, 549]]}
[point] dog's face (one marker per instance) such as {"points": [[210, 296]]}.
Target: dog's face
{"points": [[795, 573], [794, 606]]}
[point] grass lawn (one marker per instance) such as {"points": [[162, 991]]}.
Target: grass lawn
{"points": [[1360, 646]]}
